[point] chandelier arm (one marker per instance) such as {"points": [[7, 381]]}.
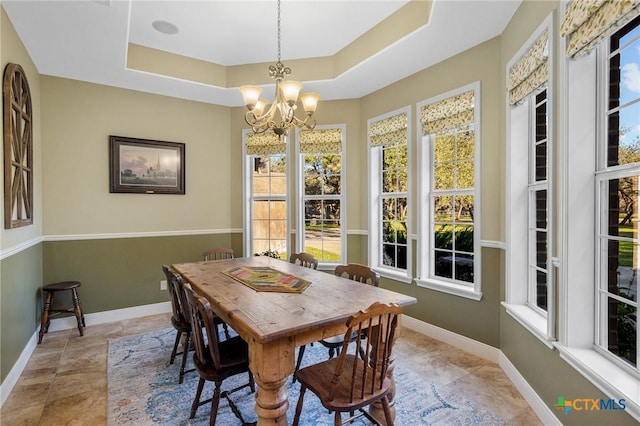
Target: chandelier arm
{"points": [[268, 115], [308, 122]]}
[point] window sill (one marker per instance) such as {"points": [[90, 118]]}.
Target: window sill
{"points": [[393, 274], [614, 381], [455, 289], [531, 320]]}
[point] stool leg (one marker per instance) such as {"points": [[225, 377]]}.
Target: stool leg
{"points": [[84, 324], [78, 311], [44, 321]]}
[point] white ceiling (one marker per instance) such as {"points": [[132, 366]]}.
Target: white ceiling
{"points": [[87, 39]]}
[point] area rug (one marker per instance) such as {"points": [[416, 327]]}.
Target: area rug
{"points": [[143, 390]]}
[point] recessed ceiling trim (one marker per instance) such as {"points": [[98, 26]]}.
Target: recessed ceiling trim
{"points": [[412, 16], [160, 62]]}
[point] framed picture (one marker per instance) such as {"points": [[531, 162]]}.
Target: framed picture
{"points": [[144, 166]]}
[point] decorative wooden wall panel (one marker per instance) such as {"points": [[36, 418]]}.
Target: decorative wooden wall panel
{"points": [[18, 148]]}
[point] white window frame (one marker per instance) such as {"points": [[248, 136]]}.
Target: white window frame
{"points": [[577, 322], [520, 131], [375, 204], [299, 191], [247, 210], [425, 277]]}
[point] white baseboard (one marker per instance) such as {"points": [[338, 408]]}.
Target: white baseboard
{"points": [[67, 323], [538, 406], [490, 353], [466, 344], [14, 374]]}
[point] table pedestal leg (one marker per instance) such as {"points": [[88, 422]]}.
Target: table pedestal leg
{"points": [[271, 365]]}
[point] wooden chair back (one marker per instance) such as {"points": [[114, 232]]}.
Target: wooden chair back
{"points": [[218, 253], [304, 259], [177, 307], [202, 315], [368, 376], [358, 272]]}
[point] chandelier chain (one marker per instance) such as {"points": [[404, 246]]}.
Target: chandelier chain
{"points": [[278, 30]]}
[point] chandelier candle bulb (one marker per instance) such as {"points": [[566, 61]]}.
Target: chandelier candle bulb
{"points": [[250, 95], [309, 102], [290, 90]]}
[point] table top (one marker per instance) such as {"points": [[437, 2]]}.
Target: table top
{"points": [[268, 316]]}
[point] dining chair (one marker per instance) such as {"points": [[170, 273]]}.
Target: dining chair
{"points": [[358, 272], [355, 272], [304, 259], [179, 319], [215, 360], [350, 382], [218, 253]]}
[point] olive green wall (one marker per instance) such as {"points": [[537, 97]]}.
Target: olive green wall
{"points": [[124, 272], [551, 377], [20, 303]]}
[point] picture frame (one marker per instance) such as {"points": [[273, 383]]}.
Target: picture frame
{"points": [[143, 166]]}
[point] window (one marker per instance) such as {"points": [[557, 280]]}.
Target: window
{"points": [[266, 210], [321, 223], [617, 183], [389, 248], [449, 222], [538, 238], [529, 278], [597, 304]]}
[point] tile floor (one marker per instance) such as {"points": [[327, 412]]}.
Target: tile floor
{"points": [[65, 381]]}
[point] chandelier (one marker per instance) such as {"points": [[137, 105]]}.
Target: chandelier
{"points": [[281, 114]]}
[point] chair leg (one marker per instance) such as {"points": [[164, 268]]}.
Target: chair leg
{"points": [[252, 383], [226, 330], [299, 361], [175, 347], [196, 400], [185, 353], [337, 419], [387, 411], [296, 418], [46, 311], [215, 401]]}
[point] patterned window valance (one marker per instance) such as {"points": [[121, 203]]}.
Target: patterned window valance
{"points": [[530, 71], [267, 143], [588, 22], [389, 131], [447, 114], [321, 141]]}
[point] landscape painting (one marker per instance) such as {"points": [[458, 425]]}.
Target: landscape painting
{"points": [[146, 166]]}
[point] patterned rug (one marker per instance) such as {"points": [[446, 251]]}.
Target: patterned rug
{"points": [[143, 389]]}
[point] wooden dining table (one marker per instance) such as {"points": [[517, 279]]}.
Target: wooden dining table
{"points": [[275, 323]]}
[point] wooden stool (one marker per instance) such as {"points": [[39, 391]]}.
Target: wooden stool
{"points": [[48, 303]]}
